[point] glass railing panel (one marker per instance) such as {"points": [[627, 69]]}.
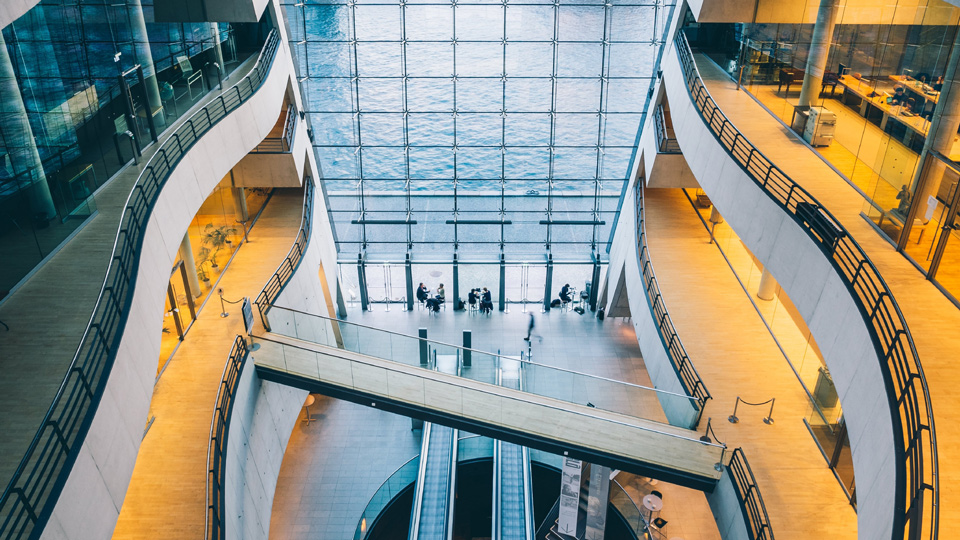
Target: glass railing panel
{"points": [[398, 481], [628, 508], [538, 379]]}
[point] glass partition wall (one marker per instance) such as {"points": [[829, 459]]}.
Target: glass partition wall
{"points": [[84, 85], [481, 130], [869, 114]]}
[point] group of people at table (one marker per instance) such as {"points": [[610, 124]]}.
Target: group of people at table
{"points": [[479, 298]]}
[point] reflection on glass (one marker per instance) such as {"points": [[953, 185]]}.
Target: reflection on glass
{"points": [[538, 101], [66, 128], [869, 114]]}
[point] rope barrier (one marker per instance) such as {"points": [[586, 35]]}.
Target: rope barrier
{"points": [[767, 420]]}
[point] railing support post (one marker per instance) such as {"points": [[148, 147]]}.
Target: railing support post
{"points": [[467, 345], [424, 352]]}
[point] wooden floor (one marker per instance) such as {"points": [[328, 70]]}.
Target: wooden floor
{"points": [[933, 320], [736, 356], [48, 314], [166, 497]]}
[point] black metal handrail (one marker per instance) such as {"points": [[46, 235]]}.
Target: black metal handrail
{"points": [[692, 384], [748, 493], [283, 143], [32, 492], [917, 496], [217, 448], [665, 143], [285, 271]]}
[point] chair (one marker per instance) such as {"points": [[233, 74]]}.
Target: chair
{"points": [[307, 418], [657, 494]]}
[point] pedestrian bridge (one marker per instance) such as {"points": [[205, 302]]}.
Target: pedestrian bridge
{"points": [[560, 411]]}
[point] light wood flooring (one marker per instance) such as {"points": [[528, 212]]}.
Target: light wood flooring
{"points": [[166, 497], [932, 318], [736, 356]]}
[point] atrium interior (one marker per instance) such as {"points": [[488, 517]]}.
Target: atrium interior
{"points": [[474, 269]]}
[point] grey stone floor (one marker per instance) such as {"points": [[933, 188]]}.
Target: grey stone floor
{"points": [[333, 466]]}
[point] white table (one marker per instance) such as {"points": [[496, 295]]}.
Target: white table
{"points": [[653, 504]]}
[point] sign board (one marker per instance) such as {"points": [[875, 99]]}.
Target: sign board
{"points": [[597, 499], [570, 497], [247, 315]]}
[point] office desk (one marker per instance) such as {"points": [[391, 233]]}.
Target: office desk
{"points": [[910, 84], [876, 109]]}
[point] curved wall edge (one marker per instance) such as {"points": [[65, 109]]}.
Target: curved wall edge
{"points": [[817, 291], [90, 502]]}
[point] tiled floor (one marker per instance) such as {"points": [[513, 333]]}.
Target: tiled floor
{"points": [[352, 449], [933, 320]]}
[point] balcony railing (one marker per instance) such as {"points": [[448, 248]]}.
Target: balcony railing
{"points": [[689, 378], [748, 493], [665, 143], [283, 143], [282, 276], [32, 493], [917, 497], [217, 448]]}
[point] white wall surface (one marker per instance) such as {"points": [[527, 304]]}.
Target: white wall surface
{"points": [[726, 510], [91, 499], [818, 292], [11, 10]]}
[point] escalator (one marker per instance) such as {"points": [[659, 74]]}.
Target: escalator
{"points": [[432, 514], [512, 493]]}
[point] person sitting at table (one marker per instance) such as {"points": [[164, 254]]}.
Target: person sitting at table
{"points": [[486, 301], [937, 84], [422, 293], [899, 97], [472, 298]]}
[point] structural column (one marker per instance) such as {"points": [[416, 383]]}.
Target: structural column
{"points": [[20, 144], [819, 49], [768, 286], [456, 283], [186, 254], [548, 284], [943, 129], [141, 40], [408, 277], [503, 283]]}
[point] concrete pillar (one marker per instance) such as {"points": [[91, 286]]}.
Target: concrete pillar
{"points": [[408, 275], [595, 283], [548, 284], [186, 254], [217, 49], [19, 142], [768, 286], [362, 279], [240, 204], [943, 130], [456, 282], [819, 49], [503, 284], [141, 41]]}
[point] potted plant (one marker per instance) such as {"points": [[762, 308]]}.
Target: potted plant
{"points": [[203, 258], [217, 237]]}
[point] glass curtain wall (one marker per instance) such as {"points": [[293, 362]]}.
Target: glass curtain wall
{"points": [[869, 116], [475, 127], [68, 122]]}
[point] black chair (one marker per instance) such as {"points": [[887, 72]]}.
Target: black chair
{"points": [[657, 494]]}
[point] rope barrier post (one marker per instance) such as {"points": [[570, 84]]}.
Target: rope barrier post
{"points": [[706, 437], [223, 307], [769, 419], [733, 417]]}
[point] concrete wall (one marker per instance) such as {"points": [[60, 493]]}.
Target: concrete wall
{"points": [[11, 10], [662, 170], [726, 509], [91, 499], [625, 265], [266, 413], [818, 293], [209, 10], [277, 170]]}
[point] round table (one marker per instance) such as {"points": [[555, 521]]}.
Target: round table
{"points": [[652, 503]]}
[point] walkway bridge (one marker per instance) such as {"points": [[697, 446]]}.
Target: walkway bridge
{"points": [[560, 411]]}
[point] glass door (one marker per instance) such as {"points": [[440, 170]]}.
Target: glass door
{"points": [[386, 283], [179, 313], [525, 283]]}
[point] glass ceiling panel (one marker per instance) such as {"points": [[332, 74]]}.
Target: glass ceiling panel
{"points": [[483, 110]]}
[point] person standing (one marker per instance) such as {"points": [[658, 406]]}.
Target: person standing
{"points": [[486, 301]]}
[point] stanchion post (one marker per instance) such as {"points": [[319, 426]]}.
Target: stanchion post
{"points": [[223, 307], [733, 417], [769, 419]]}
